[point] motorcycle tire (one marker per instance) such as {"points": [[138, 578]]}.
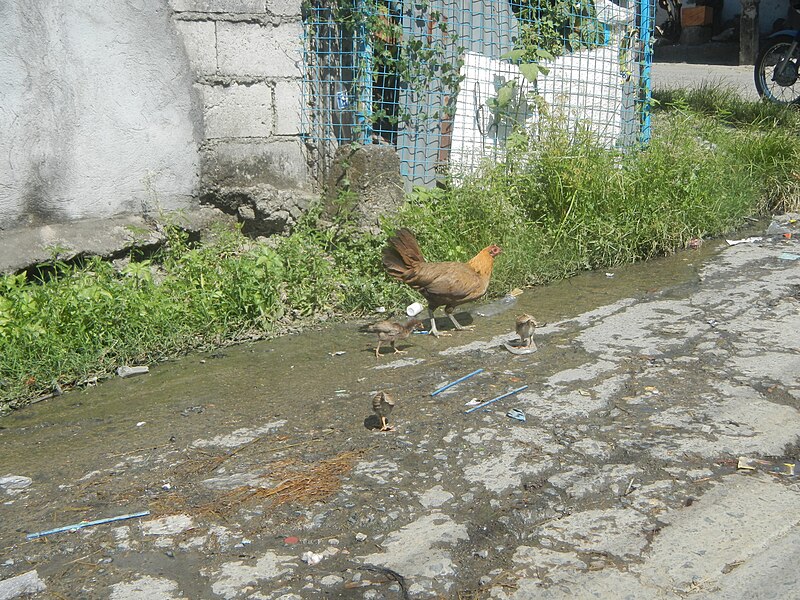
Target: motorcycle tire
{"points": [[785, 87]]}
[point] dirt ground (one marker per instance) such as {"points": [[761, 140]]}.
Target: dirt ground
{"points": [[264, 477]]}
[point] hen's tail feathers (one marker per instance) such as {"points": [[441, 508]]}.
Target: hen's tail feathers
{"points": [[402, 254]]}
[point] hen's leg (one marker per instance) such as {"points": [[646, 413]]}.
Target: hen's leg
{"points": [[396, 350], [457, 325], [433, 330], [385, 425]]}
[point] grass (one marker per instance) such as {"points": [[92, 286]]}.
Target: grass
{"points": [[557, 206]]}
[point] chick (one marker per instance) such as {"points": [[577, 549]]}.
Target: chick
{"points": [[393, 332], [525, 326], [382, 404]]}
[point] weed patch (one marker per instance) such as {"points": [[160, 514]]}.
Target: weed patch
{"points": [[557, 204]]}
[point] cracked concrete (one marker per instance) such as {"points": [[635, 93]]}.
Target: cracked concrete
{"points": [[621, 483]]}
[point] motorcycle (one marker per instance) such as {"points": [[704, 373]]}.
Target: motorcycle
{"points": [[776, 69]]}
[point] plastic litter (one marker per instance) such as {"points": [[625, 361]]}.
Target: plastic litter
{"points": [[789, 256], [751, 464], [82, 524], [459, 380], [131, 371], [498, 306], [500, 397], [311, 558], [516, 414], [412, 310], [514, 347], [776, 228], [749, 240]]}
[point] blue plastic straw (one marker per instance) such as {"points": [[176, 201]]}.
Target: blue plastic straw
{"points": [[449, 385], [82, 524], [474, 408]]}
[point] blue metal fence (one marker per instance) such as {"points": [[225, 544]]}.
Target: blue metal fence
{"points": [[447, 81]]}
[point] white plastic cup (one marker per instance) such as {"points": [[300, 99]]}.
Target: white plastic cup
{"points": [[412, 310]]}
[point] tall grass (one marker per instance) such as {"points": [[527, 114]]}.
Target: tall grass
{"points": [[557, 204]]}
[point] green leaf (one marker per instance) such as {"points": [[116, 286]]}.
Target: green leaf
{"points": [[531, 71], [505, 94], [513, 55]]}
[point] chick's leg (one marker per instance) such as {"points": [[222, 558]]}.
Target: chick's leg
{"points": [[396, 350], [385, 425], [377, 350]]}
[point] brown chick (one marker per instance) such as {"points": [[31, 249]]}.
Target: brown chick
{"points": [[391, 332], [382, 404], [445, 284], [525, 325]]}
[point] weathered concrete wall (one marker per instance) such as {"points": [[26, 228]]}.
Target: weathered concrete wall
{"points": [[97, 111], [247, 60], [122, 108]]}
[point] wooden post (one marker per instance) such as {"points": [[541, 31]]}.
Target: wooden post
{"points": [[748, 32]]}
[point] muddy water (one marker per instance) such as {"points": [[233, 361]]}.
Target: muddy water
{"points": [[297, 377], [139, 443]]}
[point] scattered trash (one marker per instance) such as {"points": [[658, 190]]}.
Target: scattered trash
{"points": [[749, 240], [361, 537], [422, 331], [609, 274], [516, 414], [380, 309], [459, 380], [337, 353], [789, 256], [695, 243], [514, 347], [712, 322], [412, 310], [776, 228], [141, 423], [500, 397], [166, 487], [82, 524], [583, 392], [291, 540], [131, 371], [751, 464], [498, 306], [311, 558], [473, 402]]}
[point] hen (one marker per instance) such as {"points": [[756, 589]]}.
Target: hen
{"points": [[445, 284], [391, 332], [382, 404]]}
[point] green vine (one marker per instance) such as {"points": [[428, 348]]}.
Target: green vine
{"points": [[403, 55]]}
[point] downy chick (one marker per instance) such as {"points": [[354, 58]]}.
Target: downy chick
{"points": [[525, 325], [391, 332], [382, 404]]}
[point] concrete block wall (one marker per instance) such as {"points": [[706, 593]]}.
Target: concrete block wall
{"points": [[98, 114], [246, 56]]}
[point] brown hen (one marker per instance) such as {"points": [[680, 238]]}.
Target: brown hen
{"points": [[445, 284]]}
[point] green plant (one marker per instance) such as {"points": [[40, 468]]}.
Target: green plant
{"points": [[557, 204]]}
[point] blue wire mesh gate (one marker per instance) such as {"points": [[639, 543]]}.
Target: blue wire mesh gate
{"points": [[447, 81]]}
